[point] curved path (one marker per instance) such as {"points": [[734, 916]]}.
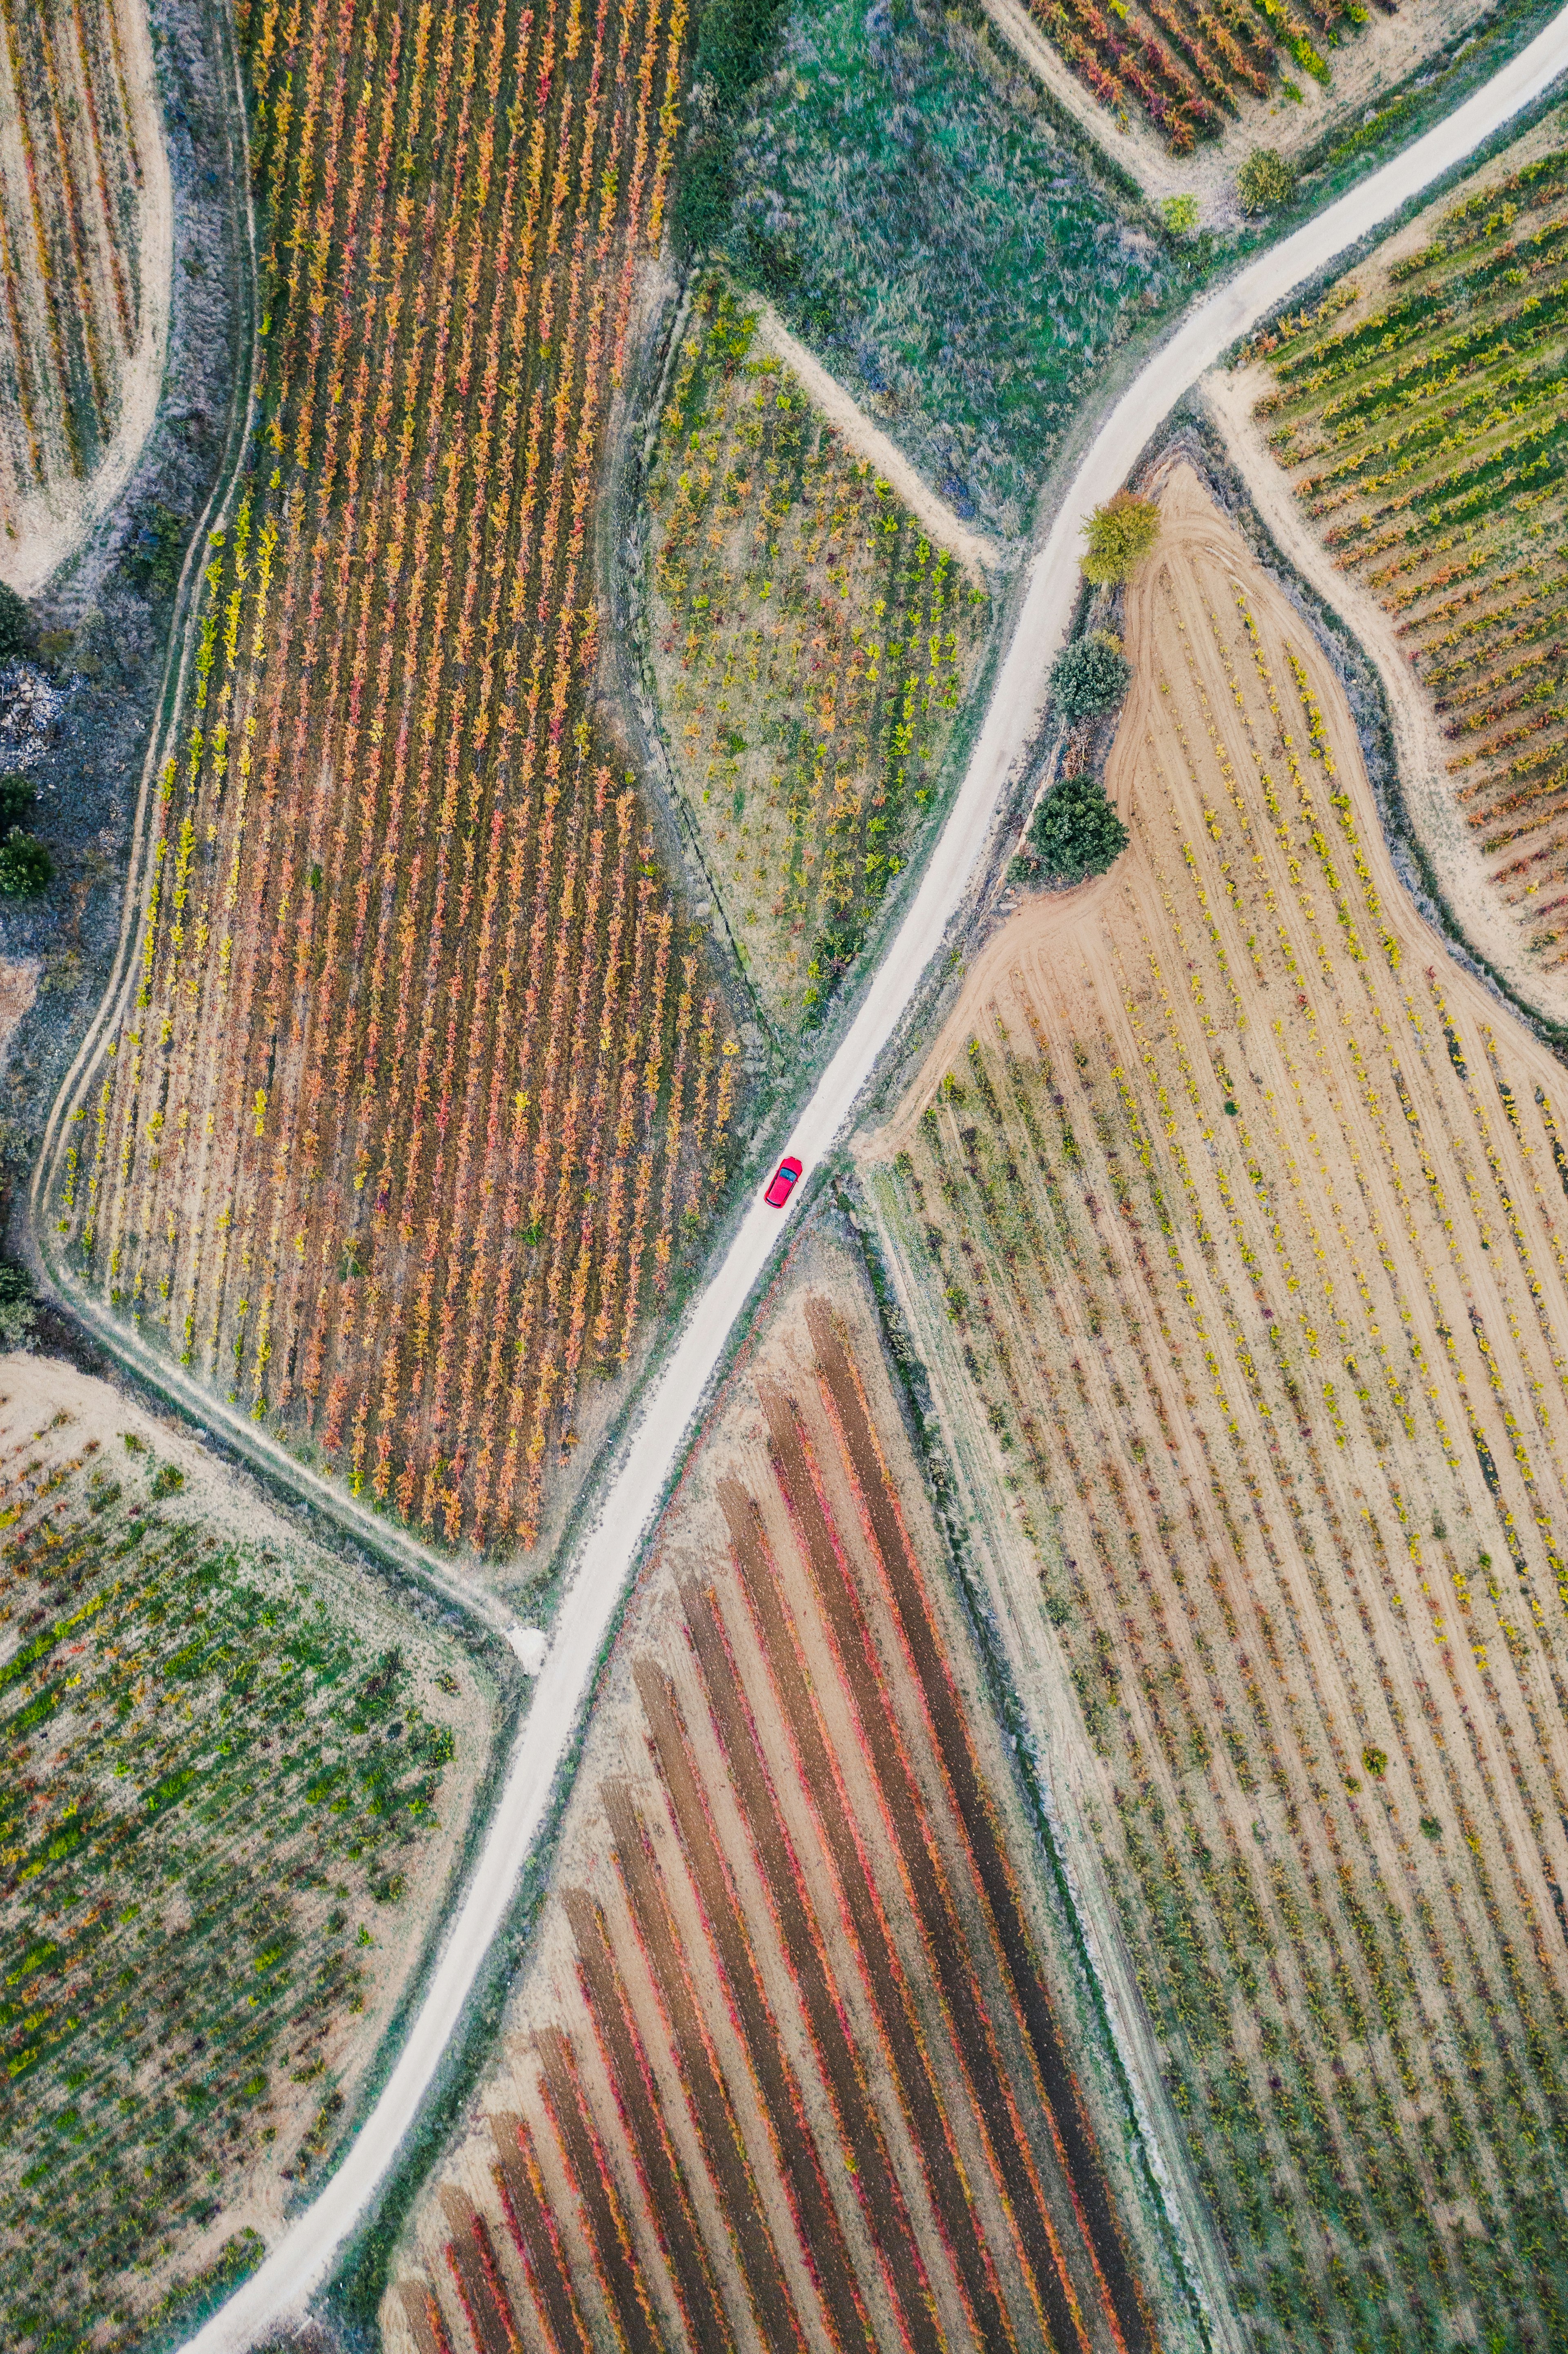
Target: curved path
{"points": [[301, 2261]]}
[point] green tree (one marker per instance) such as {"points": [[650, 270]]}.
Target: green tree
{"points": [[1181, 214], [16, 1310], [1120, 534], [17, 800], [1089, 676], [1075, 834], [25, 867], [15, 628], [1265, 182]]}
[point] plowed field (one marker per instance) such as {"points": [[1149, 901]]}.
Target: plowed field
{"points": [[1233, 1221], [787, 2070]]}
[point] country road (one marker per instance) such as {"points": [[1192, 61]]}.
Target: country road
{"points": [[304, 2256]]}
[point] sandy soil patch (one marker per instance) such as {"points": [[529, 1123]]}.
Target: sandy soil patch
{"points": [[1231, 1230]]}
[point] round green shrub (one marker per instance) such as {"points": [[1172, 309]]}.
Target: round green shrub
{"points": [[17, 800], [1120, 534], [1090, 676], [25, 867], [1265, 182], [1075, 831]]}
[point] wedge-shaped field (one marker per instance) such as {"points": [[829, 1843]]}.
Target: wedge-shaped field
{"points": [[810, 644], [84, 255], [416, 1096], [787, 2070], [234, 1784], [1422, 417], [1233, 1221]]}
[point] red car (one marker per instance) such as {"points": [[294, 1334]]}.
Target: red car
{"points": [[785, 1178]]}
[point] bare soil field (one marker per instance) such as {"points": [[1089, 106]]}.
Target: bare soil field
{"points": [[236, 1785], [85, 240], [1405, 442], [788, 2067], [1230, 1219]]}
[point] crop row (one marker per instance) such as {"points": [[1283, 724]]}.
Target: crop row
{"points": [[813, 648], [1434, 431], [424, 1095], [1213, 1269], [1188, 66], [866, 1919], [206, 1773], [70, 238]]}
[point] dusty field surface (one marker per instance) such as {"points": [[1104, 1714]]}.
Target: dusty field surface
{"points": [[812, 636], [784, 2069], [86, 242], [1271, 99], [237, 1781], [1231, 1222], [1405, 447]]}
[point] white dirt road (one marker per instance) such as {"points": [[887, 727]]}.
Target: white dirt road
{"points": [[279, 2288], [977, 553]]}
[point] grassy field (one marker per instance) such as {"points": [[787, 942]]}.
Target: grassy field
{"points": [[228, 1812], [1421, 420], [1230, 1218], [811, 646], [905, 201], [788, 2067], [72, 186], [422, 1100]]}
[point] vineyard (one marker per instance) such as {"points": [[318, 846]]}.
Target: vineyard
{"points": [[1233, 1221], [421, 1091], [1191, 69], [812, 647], [78, 119], [1422, 415], [220, 1847], [785, 2071]]}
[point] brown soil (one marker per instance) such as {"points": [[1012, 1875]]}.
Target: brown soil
{"points": [[1230, 1224], [785, 2069]]}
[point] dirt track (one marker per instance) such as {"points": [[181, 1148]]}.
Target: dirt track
{"points": [[638, 1487], [978, 554]]}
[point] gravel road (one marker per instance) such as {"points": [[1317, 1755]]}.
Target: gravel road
{"points": [[636, 1486]]}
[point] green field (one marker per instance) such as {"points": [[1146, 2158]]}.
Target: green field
{"points": [[1420, 412], [216, 1794], [905, 201], [810, 649]]}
